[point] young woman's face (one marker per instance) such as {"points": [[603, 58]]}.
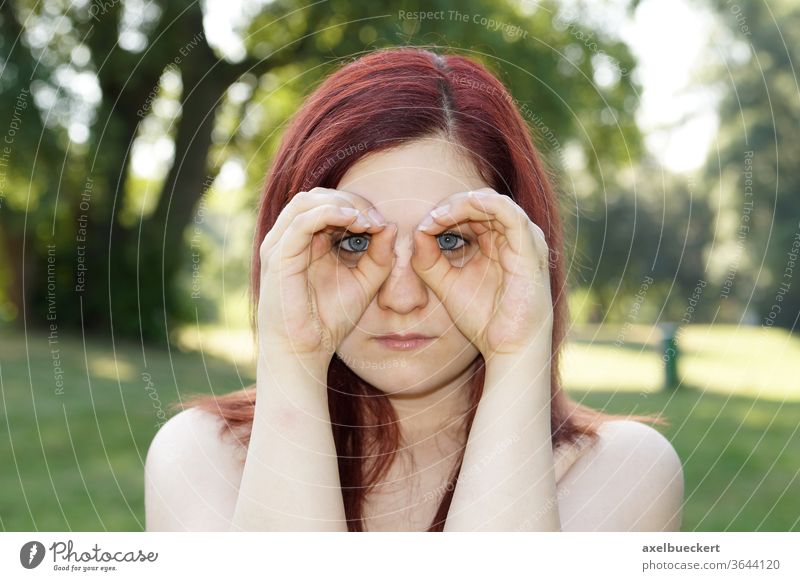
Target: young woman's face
{"points": [[404, 184]]}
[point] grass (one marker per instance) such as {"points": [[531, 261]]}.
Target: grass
{"points": [[73, 458]]}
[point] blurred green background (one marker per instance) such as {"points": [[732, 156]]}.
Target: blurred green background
{"points": [[131, 127]]}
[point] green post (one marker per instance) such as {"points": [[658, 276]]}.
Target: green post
{"points": [[669, 344]]}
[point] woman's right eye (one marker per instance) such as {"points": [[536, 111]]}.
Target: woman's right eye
{"points": [[354, 244]]}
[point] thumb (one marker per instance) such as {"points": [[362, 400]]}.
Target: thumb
{"points": [[429, 262]]}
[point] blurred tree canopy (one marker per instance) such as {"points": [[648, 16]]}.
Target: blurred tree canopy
{"points": [[87, 85], [753, 172], [720, 244]]}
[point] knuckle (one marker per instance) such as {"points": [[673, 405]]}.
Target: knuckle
{"points": [[267, 259], [352, 198], [325, 193], [302, 216], [277, 253], [314, 216], [543, 240], [509, 201], [539, 239], [298, 199], [264, 247]]}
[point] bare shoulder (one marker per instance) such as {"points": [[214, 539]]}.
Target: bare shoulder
{"points": [[629, 479], [191, 474]]}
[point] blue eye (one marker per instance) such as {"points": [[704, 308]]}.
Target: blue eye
{"points": [[447, 240], [357, 242]]}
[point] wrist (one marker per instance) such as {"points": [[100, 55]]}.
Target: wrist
{"points": [[537, 352], [280, 356], [527, 368], [287, 389], [291, 368]]}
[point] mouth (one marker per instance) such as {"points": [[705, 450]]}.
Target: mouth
{"points": [[404, 341]]}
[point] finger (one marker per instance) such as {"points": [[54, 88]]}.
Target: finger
{"points": [[430, 264], [374, 266], [457, 209], [458, 212], [297, 238], [480, 228], [305, 201], [508, 219], [541, 241]]}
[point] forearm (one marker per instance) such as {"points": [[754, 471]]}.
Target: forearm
{"points": [[507, 479], [291, 476]]}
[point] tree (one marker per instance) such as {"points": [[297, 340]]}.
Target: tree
{"points": [[121, 273], [756, 160]]}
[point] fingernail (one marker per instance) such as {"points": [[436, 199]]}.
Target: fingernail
{"points": [[376, 217], [440, 211], [349, 211], [425, 223]]}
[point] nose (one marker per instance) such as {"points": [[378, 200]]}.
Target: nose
{"points": [[403, 290]]}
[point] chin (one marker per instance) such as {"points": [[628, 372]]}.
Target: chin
{"points": [[406, 372], [402, 381]]}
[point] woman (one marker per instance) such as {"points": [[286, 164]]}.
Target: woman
{"points": [[410, 309]]}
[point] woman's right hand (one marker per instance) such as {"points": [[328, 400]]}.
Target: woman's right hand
{"points": [[315, 283]]}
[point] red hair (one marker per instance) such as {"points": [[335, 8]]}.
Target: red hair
{"points": [[384, 99]]}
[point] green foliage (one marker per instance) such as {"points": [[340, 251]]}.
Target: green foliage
{"points": [[759, 120], [105, 83], [645, 238]]}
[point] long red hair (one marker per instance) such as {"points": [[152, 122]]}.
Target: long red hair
{"points": [[381, 100]]}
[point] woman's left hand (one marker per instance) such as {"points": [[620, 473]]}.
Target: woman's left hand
{"points": [[496, 285]]}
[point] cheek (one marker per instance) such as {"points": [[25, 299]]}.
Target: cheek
{"points": [[361, 353], [458, 350], [349, 348]]}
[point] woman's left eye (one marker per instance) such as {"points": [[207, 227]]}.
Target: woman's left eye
{"points": [[448, 240]]}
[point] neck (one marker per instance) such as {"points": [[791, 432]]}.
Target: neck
{"points": [[437, 414]]}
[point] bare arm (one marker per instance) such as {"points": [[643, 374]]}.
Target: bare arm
{"points": [[631, 479], [309, 300], [194, 480], [191, 475], [290, 480], [507, 480]]}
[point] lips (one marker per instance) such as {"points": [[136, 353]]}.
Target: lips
{"points": [[404, 336], [404, 341]]}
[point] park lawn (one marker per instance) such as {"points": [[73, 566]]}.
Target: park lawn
{"points": [[74, 460], [73, 457]]}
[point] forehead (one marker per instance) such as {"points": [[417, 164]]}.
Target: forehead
{"points": [[416, 174]]}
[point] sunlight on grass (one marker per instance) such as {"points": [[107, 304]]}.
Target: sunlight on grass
{"points": [[727, 359], [232, 344], [110, 368], [751, 361], [607, 367]]}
